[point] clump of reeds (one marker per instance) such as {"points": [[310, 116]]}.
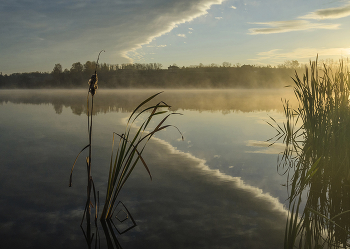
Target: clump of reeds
{"points": [[317, 159], [130, 150]]}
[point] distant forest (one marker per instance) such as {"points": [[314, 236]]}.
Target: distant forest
{"points": [[151, 75]]}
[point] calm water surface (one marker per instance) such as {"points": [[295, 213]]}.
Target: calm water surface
{"points": [[219, 188]]}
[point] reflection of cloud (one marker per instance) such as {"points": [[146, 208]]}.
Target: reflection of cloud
{"points": [[206, 207], [330, 13], [189, 144], [186, 205], [291, 25], [276, 148], [201, 164]]}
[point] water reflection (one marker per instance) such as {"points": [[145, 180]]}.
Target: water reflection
{"points": [[187, 205], [213, 208], [111, 238]]}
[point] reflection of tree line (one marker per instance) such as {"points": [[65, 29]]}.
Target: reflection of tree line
{"points": [[125, 100], [152, 76], [317, 160]]}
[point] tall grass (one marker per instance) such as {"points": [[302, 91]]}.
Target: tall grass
{"points": [[129, 152], [130, 149], [317, 159]]}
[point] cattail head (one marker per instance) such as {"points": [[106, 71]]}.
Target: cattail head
{"points": [[93, 84]]}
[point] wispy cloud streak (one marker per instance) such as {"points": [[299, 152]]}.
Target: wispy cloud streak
{"points": [[184, 11], [291, 25], [299, 25], [330, 13], [303, 55]]}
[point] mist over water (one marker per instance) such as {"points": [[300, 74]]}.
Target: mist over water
{"points": [[228, 100]]}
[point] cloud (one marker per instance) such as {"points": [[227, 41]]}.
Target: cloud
{"points": [[218, 17], [297, 25], [290, 25], [183, 11], [156, 46], [233, 7], [303, 53], [77, 33], [330, 13], [182, 35], [268, 53]]}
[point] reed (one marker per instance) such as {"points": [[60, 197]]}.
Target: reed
{"points": [[317, 159], [130, 149], [93, 86]]}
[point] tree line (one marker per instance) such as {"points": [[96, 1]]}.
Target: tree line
{"points": [[151, 75]]}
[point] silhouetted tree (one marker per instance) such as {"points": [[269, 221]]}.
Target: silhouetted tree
{"points": [[77, 67], [89, 68], [226, 64], [76, 73], [57, 75], [291, 64], [57, 69]]}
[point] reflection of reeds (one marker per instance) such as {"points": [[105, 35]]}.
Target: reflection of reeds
{"points": [[130, 151], [317, 158]]}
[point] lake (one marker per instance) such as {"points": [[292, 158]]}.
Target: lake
{"points": [[219, 188]]}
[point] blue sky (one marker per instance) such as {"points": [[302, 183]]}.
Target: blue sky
{"points": [[37, 34]]}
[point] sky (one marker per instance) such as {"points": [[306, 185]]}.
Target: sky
{"points": [[37, 34]]}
